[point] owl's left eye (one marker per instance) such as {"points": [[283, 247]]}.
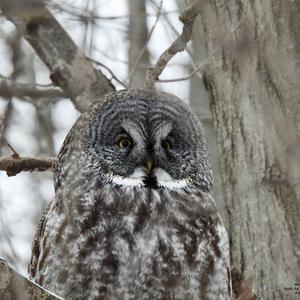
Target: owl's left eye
{"points": [[124, 143], [167, 144]]}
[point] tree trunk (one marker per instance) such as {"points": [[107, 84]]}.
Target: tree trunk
{"points": [[199, 102], [253, 82], [138, 55]]}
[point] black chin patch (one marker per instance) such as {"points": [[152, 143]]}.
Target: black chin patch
{"points": [[151, 182]]}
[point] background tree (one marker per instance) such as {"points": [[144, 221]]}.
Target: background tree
{"points": [[255, 99]]}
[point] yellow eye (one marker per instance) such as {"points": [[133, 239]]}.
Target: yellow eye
{"points": [[166, 144], [124, 143]]}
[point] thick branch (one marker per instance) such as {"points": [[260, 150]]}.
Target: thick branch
{"points": [[15, 165], [10, 89], [187, 18], [14, 286], [69, 68]]}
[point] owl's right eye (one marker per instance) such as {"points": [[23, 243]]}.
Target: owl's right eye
{"points": [[124, 143]]}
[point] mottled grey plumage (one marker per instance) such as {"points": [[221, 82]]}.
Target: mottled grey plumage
{"points": [[133, 216]]}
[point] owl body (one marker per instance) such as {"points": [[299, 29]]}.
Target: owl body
{"points": [[142, 226]]}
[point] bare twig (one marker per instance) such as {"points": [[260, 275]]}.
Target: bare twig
{"points": [[69, 68], [168, 22], [13, 165], [4, 116], [187, 18], [79, 15], [112, 74], [15, 153]]}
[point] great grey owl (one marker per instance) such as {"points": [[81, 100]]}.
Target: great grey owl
{"points": [[133, 215]]}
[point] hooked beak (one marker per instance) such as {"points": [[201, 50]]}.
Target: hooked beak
{"points": [[149, 166]]}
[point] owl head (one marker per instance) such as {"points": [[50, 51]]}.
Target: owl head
{"points": [[137, 138]]}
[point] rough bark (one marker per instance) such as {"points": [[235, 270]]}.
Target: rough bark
{"points": [[253, 84], [16, 287], [199, 101], [69, 68]]}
